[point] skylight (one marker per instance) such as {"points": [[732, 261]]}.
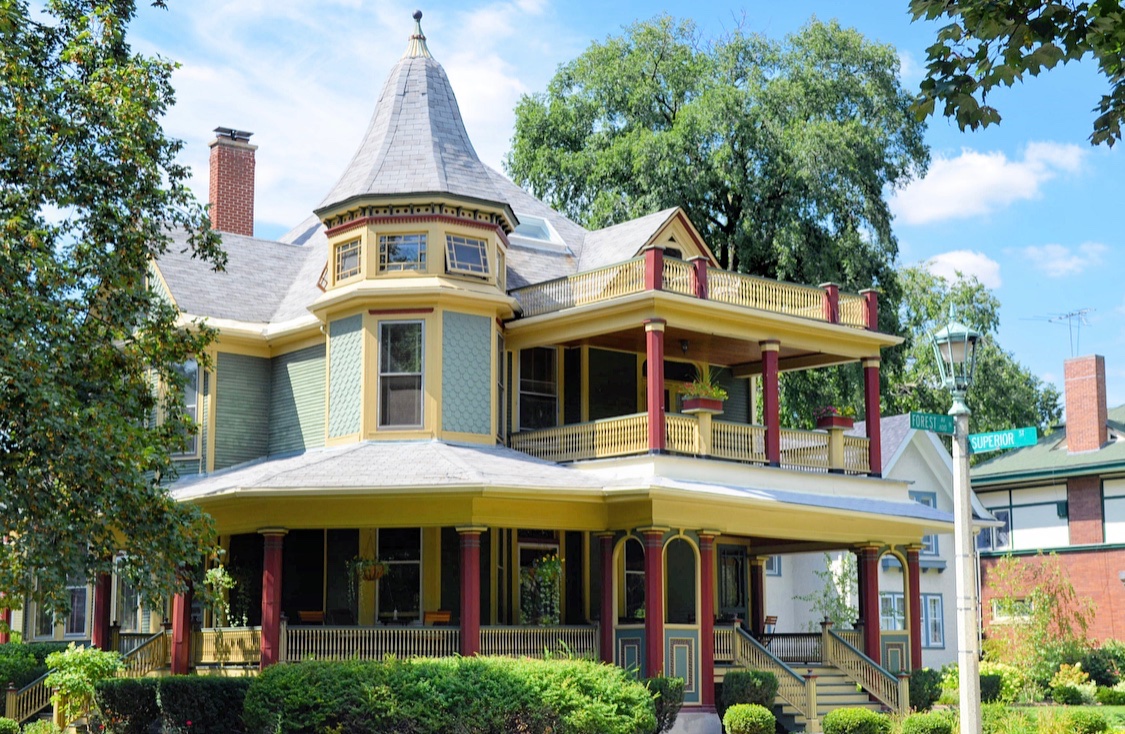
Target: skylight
{"points": [[536, 228]]}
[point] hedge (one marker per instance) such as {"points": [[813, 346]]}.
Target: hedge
{"points": [[9, 726], [1066, 696], [1110, 697], [991, 687], [925, 688], [481, 695], [127, 705], [749, 718], [931, 723], [668, 698], [855, 721], [181, 703], [1081, 721], [747, 686]]}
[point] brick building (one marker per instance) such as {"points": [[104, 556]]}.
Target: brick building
{"points": [[1065, 495]]}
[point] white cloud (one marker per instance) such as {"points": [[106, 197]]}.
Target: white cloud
{"points": [[968, 263], [909, 70], [975, 183], [1058, 261]]}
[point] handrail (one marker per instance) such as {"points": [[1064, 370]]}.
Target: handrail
{"points": [[150, 655], [591, 286], [865, 672], [796, 690], [26, 702]]}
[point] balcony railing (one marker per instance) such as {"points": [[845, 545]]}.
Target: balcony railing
{"points": [[677, 276], [816, 451]]}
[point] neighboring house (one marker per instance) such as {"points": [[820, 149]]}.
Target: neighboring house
{"points": [[437, 371], [920, 459], [1065, 495]]}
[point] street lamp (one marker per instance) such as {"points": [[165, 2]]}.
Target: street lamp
{"points": [[955, 347]]}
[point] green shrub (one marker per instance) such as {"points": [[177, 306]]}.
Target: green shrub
{"points": [[1105, 664], [479, 694], [1066, 695], [932, 723], [668, 698], [1081, 721], [9, 726], [747, 686], [202, 704], [991, 687], [42, 726], [42, 649], [749, 718], [1110, 697], [74, 671], [1013, 681], [127, 705], [925, 688], [855, 721], [997, 718]]}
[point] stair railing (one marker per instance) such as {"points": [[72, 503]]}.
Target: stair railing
{"points": [[892, 691], [152, 654], [23, 703], [793, 688]]}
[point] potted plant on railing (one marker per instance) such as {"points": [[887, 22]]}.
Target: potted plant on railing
{"points": [[704, 394], [832, 417]]}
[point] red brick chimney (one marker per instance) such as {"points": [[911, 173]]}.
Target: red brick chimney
{"points": [[232, 181], [1085, 403]]}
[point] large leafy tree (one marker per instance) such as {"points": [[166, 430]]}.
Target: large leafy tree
{"points": [[994, 43], [1005, 394], [89, 189], [781, 153]]}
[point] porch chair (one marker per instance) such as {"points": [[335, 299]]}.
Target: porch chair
{"points": [[769, 629], [441, 616]]}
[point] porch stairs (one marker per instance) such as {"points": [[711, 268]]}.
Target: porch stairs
{"points": [[834, 690]]}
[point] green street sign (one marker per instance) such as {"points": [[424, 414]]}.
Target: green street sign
{"points": [[933, 422], [1013, 438]]}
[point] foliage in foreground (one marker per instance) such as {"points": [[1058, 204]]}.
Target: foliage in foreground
{"points": [[855, 721], [668, 698], [928, 723], [747, 686], [180, 704], [749, 718], [925, 688], [74, 673], [436, 696]]}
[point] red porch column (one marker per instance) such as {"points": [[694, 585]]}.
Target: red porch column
{"points": [[914, 594], [654, 353], [869, 594], [707, 619], [103, 594], [831, 302], [6, 630], [470, 589], [181, 632], [654, 601], [700, 264], [609, 614], [771, 400], [871, 308], [873, 415], [758, 595], [654, 268], [271, 596]]}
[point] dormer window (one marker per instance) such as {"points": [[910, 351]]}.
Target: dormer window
{"points": [[347, 260], [536, 228], [402, 252], [466, 255]]}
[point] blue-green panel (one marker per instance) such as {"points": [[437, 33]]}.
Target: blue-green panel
{"points": [[630, 652], [345, 350], [466, 373], [297, 401], [736, 409], [681, 660], [242, 398]]}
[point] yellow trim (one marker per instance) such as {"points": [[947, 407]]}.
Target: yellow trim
{"points": [[296, 341], [871, 362], [585, 368], [155, 270]]}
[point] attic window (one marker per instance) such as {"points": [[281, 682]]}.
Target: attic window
{"points": [[347, 260], [466, 255], [536, 228], [402, 252]]}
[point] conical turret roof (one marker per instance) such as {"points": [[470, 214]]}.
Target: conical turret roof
{"points": [[416, 142]]}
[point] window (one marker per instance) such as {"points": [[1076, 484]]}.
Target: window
{"points": [[1011, 610], [189, 371], [538, 388], [993, 539], [44, 622], [347, 260], [892, 611], [128, 612], [929, 542], [933, 621], [466, 255], [534, 228], [75, 624], [400, 589], [773, 566], [634, 581], [400, 373], [402, 252]]}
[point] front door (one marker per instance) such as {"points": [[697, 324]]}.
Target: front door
{"points": [[734, 599]]}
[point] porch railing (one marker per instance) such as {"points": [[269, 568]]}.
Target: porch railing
{"points": [[602, 284], [804, 450], [797, 647], [764, 294], [681, 434], [129, 641], [856, 458], [724, 644], [539, 642], [853, 310], [227, 646], [370, 643], [679, 277], [152, 654], [738, 441], [793, 688], [865, 672], [627, 434], [23, 703]]}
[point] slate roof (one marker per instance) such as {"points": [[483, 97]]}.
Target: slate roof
{"points": [[1049, 457], [894, 431], [621, 241]]}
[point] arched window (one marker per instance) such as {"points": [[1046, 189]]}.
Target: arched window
{"points": [[634, 581], [679, 582]]}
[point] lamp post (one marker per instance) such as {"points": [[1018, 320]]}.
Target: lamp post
{"points": [[955, 347]]}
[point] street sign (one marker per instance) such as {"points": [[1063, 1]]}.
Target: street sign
{"points": [[1013, 438], [933, 422]]}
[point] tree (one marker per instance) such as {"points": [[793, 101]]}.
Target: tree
{"points": [[994, 43], [833, 601], [1005, 394], [780, 153], [89, 189]]}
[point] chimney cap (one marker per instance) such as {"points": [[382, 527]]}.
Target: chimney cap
{"points": [[230, 132]]}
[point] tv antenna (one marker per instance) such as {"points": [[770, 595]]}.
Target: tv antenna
{"points": [[1074, 320]]}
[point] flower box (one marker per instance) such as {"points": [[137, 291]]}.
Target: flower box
{"points": [[835, 421], [714, 406]]}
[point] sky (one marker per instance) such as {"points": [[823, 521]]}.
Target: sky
{"points": [[1028, 206]]}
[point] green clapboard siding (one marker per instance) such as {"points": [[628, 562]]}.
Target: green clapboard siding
{"points": [[345, 337], [297, 401], [242, 396], [466, 373], [736, 409]]}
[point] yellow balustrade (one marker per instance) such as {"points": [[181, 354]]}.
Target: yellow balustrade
{"points": [[856, 458], [28, 701], [764, 294], [539, 642], [152, 654], [129, 641], [679, 277], [681, 434], [370, 643], [853, 311], [595, 440], [593, 286], [804, 449], [864, 672], [738, 441], [227, 646], [724, 644], [796, 690]]}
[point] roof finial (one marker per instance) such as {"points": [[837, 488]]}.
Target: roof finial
{"points": [[417, 45]]}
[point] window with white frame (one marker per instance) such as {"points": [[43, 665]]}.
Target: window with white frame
{"points": [[400, 373], [773, 565], [44, 622], [892, 611], [1011, 610], [402, 252], [538, 388], [128, 610], [75, 624], [929, 542], [994, 539], [466, 255], [933, 621], [189, 371], [400, 588], [347, 260]]}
